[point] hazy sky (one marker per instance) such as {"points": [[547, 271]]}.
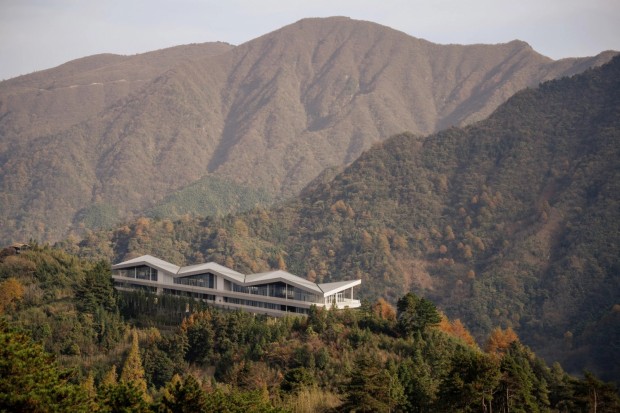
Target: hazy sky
{"points": [[39, 34]]}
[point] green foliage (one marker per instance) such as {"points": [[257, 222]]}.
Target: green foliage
{"points": [[372, 387], [210, 196], [98, 215], [415, 314], [520, 389], [295, 379], [471, 382], [97, 290], [122, 397], [183, 397], [69, 305], [30, 379]]}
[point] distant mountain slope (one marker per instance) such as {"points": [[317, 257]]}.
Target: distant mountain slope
{"points": [[273, 113], [50, 101], [514, 221]]}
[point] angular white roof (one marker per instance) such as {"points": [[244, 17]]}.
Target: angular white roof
{"points": [[150, 261], [325, 289], [333, 288], [279, 275], [211, 267]]}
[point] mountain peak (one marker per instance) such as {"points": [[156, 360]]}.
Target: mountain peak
{"points": [[274, 112]]}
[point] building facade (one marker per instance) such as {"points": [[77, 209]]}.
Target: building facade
{"points": [[275, 292]]}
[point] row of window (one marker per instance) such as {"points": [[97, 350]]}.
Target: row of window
{"points": [[278, 290], [208, 280], [127, 285], [270, 306], [211, 298], [142, 272], [196, 296], [199, 280]]}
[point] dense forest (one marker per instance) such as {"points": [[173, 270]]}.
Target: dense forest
{"points": [[511, 222], [70, 342]]}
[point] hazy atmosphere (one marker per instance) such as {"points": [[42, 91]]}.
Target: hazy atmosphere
{"points": [[36, 35], [279, 206]]}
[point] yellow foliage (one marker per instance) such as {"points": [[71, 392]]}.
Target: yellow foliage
{"points": [[11, 291], [229, 262], [311, 276], [500, 340], [241, 229], [449, 233], [366, 240], [467, 253], [399, 242], [384, 244], [384, 310]]}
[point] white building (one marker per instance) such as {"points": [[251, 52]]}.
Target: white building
{"points": [[273, 292]]}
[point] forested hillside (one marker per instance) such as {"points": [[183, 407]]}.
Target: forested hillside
{"points": [[108, 138], [511, 222], [70, 343]]}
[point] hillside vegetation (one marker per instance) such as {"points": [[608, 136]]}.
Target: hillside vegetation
{"points": [[106, 138], [511, 222], [70, 343]]}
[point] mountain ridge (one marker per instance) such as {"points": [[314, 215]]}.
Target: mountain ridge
{"points": [[512, 221], [273, 112]]}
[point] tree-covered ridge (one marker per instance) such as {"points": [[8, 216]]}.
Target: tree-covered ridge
{"points": [[97, 140], [513, 221], [377, 358]]}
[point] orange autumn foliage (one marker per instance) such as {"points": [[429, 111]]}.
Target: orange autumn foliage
{"points": [[499, 340], [456, 329], [384, 310]]}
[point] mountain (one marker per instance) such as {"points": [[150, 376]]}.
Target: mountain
{"points": [[269, 115], [512, 221]]}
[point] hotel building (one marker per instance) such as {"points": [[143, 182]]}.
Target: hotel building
{"points": [[274, 292]]}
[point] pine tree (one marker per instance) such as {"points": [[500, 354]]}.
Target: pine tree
{"points": [[30, 380], [416, 314], [133, 372], [373, 388], [183, 397]]}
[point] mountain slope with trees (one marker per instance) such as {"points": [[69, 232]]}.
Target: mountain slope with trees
{"points": [[111, 136], [175, 355], [512, 221]]}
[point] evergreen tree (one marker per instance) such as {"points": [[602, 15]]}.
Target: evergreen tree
{"points": [[419, 386], [520, 391], [97, 290], [30, 380], [470, 383], [123, 397], [416, 314], [133, 372], [183, 397], [372, 388]]}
